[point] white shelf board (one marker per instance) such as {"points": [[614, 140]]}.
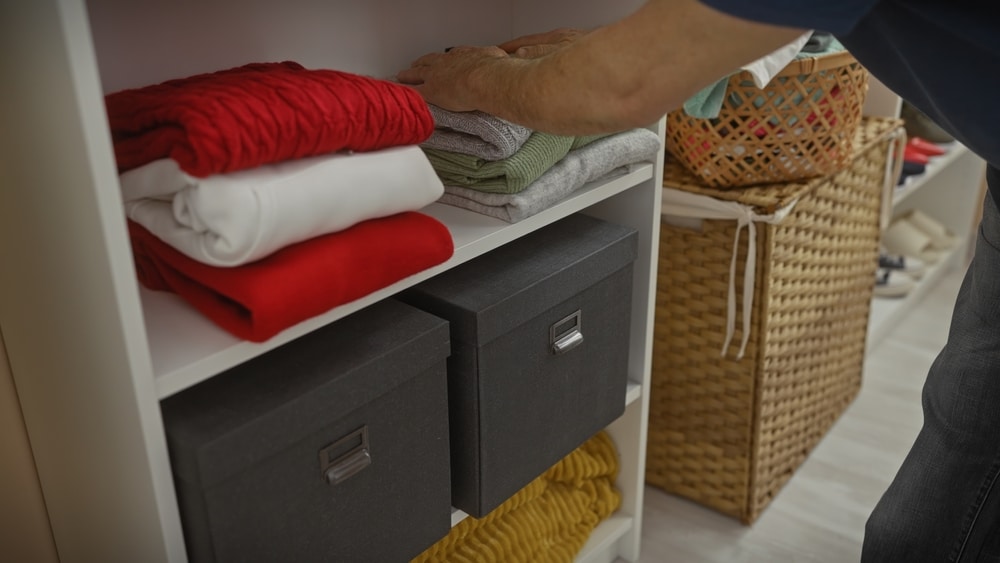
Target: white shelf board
{"points": [[457, 516], [601, 541], [632, 393], [914, 183], [187, 348], [886, 312], [600, 546]]}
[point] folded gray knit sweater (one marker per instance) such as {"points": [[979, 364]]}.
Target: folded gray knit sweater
{"points": [[475, 133], [603, 159]]}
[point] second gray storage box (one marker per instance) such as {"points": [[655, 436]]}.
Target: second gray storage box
{"points": [[540, 349]]}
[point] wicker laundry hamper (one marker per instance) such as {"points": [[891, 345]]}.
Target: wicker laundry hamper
{"points": [[729, 432], [800, 125], [548, 521]]}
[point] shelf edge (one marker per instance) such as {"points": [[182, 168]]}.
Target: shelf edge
{"points": [[600, 546], [232, 351]]}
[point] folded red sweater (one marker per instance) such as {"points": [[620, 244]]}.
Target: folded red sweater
{"points": [[262, 113], [258, 300]]}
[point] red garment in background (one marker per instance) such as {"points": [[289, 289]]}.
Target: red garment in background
{"points": [[258, 300], [262, 113]]}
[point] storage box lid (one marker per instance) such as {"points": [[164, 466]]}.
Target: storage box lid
{"points": [[491, 295], [254, 410]]}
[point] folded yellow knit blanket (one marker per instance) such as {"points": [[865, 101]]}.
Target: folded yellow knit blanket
{"points": [[548, 521]]}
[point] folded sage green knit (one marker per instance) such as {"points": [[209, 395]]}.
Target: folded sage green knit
{"points": [[510, 175]]}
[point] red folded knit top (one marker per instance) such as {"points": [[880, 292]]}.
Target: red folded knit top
{"points": [[258, 300], [262, 113]]}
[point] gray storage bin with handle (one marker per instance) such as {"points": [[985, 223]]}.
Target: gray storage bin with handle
{"points": [[333, 447], [540, 338]]}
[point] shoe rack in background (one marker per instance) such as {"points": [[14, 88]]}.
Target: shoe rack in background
{"points": [[936, 204]]}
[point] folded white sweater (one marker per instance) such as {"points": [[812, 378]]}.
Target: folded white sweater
{"points": [[235, 218]]}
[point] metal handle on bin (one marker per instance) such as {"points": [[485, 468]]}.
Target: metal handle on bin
{"points": [[336, 469], [566, 334]]}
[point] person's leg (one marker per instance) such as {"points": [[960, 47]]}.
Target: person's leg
{"points": [[944, 504]]}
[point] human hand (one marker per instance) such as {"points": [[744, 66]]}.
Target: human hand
{"points": [[541, 44], [443, 78]]}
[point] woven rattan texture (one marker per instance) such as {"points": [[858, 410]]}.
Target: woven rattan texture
{"points": [[800, 125], [548, 521], [729, 433], [767, 198]]}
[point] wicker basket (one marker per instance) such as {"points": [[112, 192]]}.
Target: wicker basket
{"points": [[727, 432], [800, 125], [548, 521]]}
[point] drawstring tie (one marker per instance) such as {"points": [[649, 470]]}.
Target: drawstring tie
{"points": [[682, 204]]}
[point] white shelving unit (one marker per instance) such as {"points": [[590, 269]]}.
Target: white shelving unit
{"points": [[949, 190], [93, 354]]}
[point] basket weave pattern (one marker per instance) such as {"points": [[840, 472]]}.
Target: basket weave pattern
{"points": [[800, 125], [729, 433]]}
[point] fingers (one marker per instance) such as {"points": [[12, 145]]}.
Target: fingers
{"points": [[432, 58], [429, 58], [415, 74], [439, 75], [411, 76], [561, 35], [535, 51], [419, 88], [526, 41]]}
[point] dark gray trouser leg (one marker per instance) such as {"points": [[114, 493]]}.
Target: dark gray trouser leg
{"points": [[944, 504]]}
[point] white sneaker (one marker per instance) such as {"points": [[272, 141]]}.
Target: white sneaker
{"points": [[913, 267], [892, 283]]}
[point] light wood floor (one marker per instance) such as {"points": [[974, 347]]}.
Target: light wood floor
{"points": [[819, 516]]}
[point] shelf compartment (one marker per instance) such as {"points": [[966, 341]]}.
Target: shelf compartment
{"points": [[913, 184], [632, 394], [187, 348]]}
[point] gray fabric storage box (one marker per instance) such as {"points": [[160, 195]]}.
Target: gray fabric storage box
{"points": [[333, 447], [517, 404]]}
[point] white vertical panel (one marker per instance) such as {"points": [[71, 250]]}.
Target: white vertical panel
{"points": [[639, 208], [69, 305]]}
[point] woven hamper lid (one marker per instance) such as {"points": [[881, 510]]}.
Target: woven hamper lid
{"points": [[765, 199]]}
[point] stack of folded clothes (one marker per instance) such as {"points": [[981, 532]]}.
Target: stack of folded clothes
{"points": [[268, 193], [497, 168]]}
